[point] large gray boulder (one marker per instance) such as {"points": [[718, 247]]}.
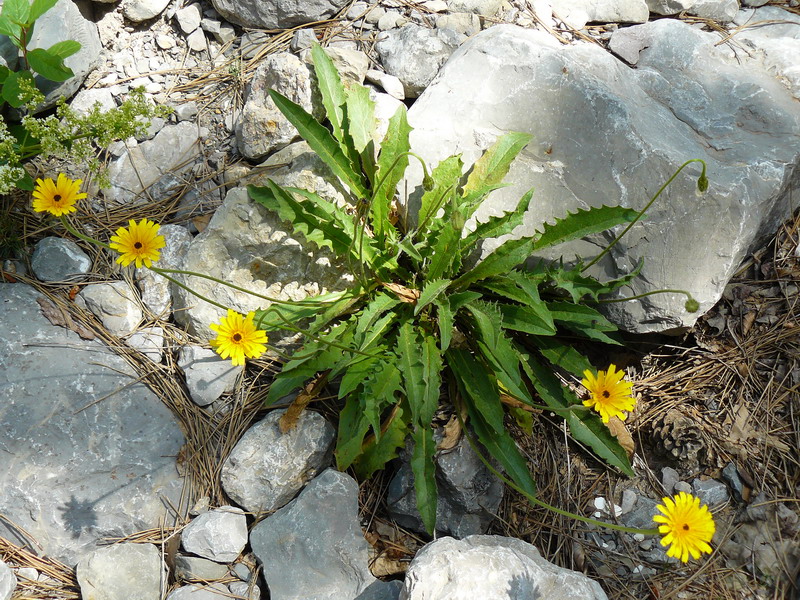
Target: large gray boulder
{"points": [[607, 134], [492, 567], [122, 572], [249, 246], [276, 14], [88, 453]]}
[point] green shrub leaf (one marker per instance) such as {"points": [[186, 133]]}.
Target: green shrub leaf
{"points": [[38, 8], [491, 168], [424, 468], [444, 315], [11, 88], [64, 49], [331, 89], [16, 11], [353, 427], [502, 225], [392, 163], [533, 318], [377, 452], [582, 223], [446, 176], [381, 387], [431, 291], [561, 355], [475, 382], [502, 260], [49, 65], [361, 116]]}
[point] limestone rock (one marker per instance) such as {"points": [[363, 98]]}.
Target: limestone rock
{"points": [[262, 128], [469, 495], [189, 18], [390, 84], [722, 11], [7, 581], [604, 11], [89, 452], [249, 246], [669, 7], [313, 547], [607, 134], [240, 589], [155, 289], [194, 567], [215, 591], [484, 8], [267, 468], [58, 259], [208, 376], [153, 163], [149, 341], [85, 100], [143, 10], [492, 567], [414, 55], [219, 535], [280, 14], [114, 304], [122, 572]]}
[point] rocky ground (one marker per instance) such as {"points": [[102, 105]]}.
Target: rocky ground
{"points": [[134, 390]]}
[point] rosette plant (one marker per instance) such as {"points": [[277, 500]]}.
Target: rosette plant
{"points": [[422, 318]]}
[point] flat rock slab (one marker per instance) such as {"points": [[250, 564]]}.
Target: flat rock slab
{"points": [[87, 453], [604, 133]]}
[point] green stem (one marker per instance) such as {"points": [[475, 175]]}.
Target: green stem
{"points": [[642, 295], [78, 234], [537, 502], [702, 182]]}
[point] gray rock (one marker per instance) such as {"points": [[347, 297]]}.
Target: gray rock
{"points": [[414, 55], [710, 491], [122, 572], [215, 591], [250, 247], [149, 341], [351, 64], [58, 259], [219, 535], [754, 3], [197, 41], [153, 165], [186, 110], [389, 83], [86, 100], [208, 376], [465, 23], [629, 498], [722, 11], [242, 571], [267, 468], [240, 589], [313, 547], [669, 477], [154, 288], [682, 486], [302, 39], [143, 10], [189, 18], [469, 495], [115, 304], [492, 567], [262, 128], [196, 568], [641, 517], [94, 461], [669, 7], [631, 131], [484, 8], [604, 11], [281, 14], [731, 475], [7, 581]]}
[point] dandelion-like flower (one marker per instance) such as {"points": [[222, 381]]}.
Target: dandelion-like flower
{"points": [[57, 197], [687, 526], [611, 395], [139, 243], [238, 337]]}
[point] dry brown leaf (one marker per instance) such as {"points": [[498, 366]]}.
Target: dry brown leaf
{"points": [[288, 420], [403, 293], [747, 322], [624, 437], [452, 433], [61, 318], [201, 222], [384, 566]]}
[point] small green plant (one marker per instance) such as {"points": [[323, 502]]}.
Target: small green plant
{"points": [[65, 134], [422, 318]]}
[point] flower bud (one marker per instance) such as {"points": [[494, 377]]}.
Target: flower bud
{"points": [[702, 183], [428, 183], [692, 305]]}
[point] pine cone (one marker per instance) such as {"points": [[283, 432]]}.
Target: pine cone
{"points": [[678, 435]]}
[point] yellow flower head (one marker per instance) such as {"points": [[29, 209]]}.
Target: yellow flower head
{"points": [[57, 197], [610, 393], [686, 526], [237, 337], [139, 243]]}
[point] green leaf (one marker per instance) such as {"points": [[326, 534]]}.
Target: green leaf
{"points": [[446, 176], [39, 7], [358, 370], [431, 291], [353, 427], [475, 382], [278, 314], [502, 225], [16, 11], [533, 319], [11, 30], [321, 141], [64, 49], [392, 163], [587, 428], [501, 447], [331, 89], [444, 315], [361, 116], [582, 223], [578, 285], [380, 389], [48, 65], [377, 452], [445, 253], [491, 168], [460, 299], [25, 182], [11, 88], [420, 363], [379, 304], [502, 260], [561, 355], [4, 72], [424, 469], [413, 250], [432, 378], [584, 320]]}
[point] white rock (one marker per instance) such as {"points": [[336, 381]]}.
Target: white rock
{"points": [[165, 42], [385, 108], [155, 289], [390, 84], [240, 589], [219, 535], [722, 11], [197, 41], [122, 572], [58, 259], [351, 64], [149, 341], [142, 10], [604, 11], [207, 375], [8, 581], [189, 18], [669, 7], [484, 8], [115, 304], [215, 591], [85, 100], [436, 6]]}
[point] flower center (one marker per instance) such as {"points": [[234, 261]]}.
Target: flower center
{"points": [[138, 245], [57, 198], [606, 394], [237, 337], [685, 527]]}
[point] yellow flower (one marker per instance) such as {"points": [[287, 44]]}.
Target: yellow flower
{"points": [[686, 526], [610, 393], [138, 243], [237, 337], [57, 197]]}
